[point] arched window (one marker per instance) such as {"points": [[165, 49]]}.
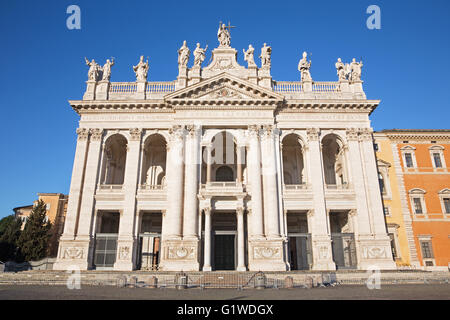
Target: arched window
{"points": [[154, 161], [334, 160], [224, 173], [293, 160], [114, 159]]}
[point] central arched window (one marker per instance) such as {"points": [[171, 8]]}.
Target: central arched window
{"points": [[224, 173], [293, 160]]}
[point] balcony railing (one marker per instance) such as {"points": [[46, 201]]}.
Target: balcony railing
{"points": [[122, 87], [223, 186], [152, 187], [325, 87], [109, 187], [289, 187], [344, 186], [160, 87], [297, 87], [287, 86]]}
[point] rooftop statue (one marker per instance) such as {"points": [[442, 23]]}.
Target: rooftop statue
{"points": [[248, 56], [199, 55], [183, 55], [107, 69], [94, 73], [141, 70], [303, 66], [223, 35], [266, 52], [356, 70]]}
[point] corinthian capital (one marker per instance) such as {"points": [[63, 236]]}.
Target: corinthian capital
{"points": [[135, 134], [352, 134], [193, 130], [312, 134], [96, 134], [253, 130], [267, 132], [365, 134], [176, 133], [82, 133]]}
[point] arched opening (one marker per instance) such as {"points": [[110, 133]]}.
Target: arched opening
{"points": [[224, 173], [293, 161], [154, 161], [114, 159], [333, 161], [227, 160]]}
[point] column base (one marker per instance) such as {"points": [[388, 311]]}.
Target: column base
{"points": [[207, 268], [179, 255], [125, 254], [73, 254], [322, 253], [242, 268], [266, 255], [375, 253]]}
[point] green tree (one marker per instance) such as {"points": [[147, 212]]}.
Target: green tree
{"points": [[9, 238], [5, 222], [33, 241]]}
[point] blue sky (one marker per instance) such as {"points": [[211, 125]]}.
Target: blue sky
{"points": [[406, 64]]}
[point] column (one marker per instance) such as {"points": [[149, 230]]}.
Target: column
{"points": [[126, 244], [271, 214], [207, 244], [76, 185], [355, 164], [321, 240], [371, 174], [208, 162], [239, 150], [254, 168], [240, 239], [173, 220], [67, 241], [84, 231], [190, 216]]}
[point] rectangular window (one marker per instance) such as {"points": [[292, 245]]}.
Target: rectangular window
{"points": [[417, 206], [427, 249], [386, 211], [408, 160], [447, 205], [437, 160]]}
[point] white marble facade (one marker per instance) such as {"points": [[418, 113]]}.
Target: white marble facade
{"points": [[224, 169]]}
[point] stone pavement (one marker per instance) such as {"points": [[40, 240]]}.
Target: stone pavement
{"points": [[349, 292]]}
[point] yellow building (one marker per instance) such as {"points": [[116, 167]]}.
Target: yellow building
{"points": [[398, 220], [56, 212]]}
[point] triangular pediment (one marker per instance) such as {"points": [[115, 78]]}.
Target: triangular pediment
{"points": [[224, 87], [382, 163]]}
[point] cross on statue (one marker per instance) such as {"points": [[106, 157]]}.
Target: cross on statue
{"points": [[229, 26], [223, 34]]}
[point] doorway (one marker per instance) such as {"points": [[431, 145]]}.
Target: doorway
{"points": [[224, 252], [149, 241], [224, 241], [300, 253]]}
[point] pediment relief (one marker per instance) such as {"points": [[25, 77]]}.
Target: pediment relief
{"points": [[224, 87]]}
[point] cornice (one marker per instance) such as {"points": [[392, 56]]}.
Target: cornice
{"points": [[419, 136]]}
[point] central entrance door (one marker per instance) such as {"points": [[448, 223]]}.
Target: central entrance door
{"points": [[224, 241], [224, 252]]}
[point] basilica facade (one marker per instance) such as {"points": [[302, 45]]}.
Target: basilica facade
{"points": [[224, 168]]}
